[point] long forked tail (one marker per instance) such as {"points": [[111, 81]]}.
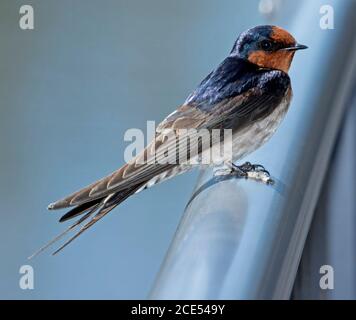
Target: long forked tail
{"points": [[95, 209]]}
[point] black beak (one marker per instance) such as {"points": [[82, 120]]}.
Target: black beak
{"points": [[296, 47]]}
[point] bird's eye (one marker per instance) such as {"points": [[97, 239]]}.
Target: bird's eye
{"points": [[266, 45]]}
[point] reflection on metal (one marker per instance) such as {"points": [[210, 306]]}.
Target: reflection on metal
{"points": [[239, 239], [332, 236]]}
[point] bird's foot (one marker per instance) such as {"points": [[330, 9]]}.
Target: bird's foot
{"points": [[252, 171]]}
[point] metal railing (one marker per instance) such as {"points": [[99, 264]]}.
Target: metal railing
{"points": [[239, 239]]}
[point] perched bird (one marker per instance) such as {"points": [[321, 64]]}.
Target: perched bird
{"points": [[249, 93]]}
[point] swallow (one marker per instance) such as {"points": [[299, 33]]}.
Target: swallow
{"points": [[248, 93]]}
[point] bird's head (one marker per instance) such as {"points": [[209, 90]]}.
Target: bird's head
{"points": [[267, 47]]}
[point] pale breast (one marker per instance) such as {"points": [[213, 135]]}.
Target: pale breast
{"points": [[250, 138]]}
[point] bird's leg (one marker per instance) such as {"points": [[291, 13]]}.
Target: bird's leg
{"points": [[246, 170]]}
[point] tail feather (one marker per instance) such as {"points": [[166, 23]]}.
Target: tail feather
{"points": [[101, 208], [79, 210], [101, 213], [62, 234]]}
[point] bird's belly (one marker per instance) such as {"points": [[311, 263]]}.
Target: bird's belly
{"points": [[250, 138]]}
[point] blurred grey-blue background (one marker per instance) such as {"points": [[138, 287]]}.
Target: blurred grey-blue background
{"points": [[69, 90]]}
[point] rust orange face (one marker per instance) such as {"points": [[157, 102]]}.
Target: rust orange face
{"points": [[280, 59]]}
